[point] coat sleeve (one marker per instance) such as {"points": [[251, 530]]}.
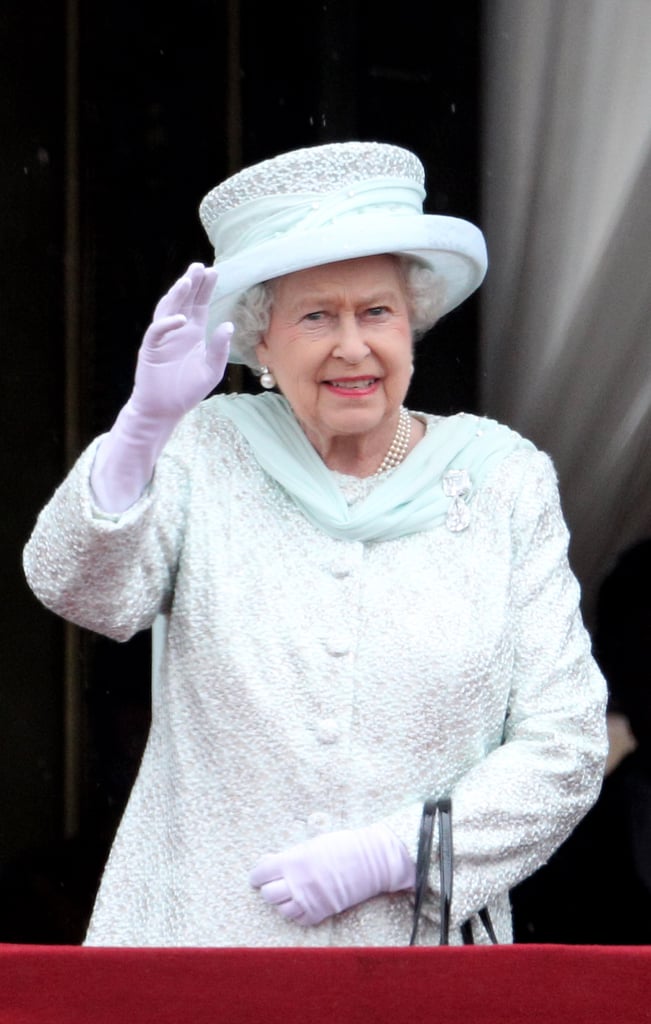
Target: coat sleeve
{"points": [[512, 809], [109, 574]]}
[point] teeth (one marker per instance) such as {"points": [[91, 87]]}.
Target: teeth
{"points": [[353, 385]]}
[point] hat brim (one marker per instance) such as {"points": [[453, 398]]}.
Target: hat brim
{"points": [[453, 248]]}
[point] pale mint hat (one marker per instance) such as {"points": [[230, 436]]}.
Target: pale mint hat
{"points": [[328, 203]]}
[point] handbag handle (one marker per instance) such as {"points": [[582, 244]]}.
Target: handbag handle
{"points": [[446, 865], [423, 859]]}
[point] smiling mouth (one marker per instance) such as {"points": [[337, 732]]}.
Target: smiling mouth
{"points": [[354, 384]]}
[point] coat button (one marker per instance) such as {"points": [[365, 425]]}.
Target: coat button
{"points": [[319, 822], [340, 570], [327, 730], [337, 646]]}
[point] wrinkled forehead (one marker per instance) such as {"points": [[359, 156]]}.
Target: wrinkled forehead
{"points": [[368, 277]]}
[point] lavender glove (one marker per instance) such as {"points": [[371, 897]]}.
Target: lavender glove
{"points": [[322, 876], [176, 369]]}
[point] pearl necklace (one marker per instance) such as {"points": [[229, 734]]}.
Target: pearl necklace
{"points": [[399, 445]]}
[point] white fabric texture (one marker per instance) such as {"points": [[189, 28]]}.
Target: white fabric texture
{"points": [[307, 684], [566, 209]]}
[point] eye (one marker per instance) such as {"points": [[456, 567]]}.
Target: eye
{"points": [[375, 312], [315, 316]]}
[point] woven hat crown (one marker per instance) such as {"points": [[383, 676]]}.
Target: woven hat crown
{"points": [[316, 169]]}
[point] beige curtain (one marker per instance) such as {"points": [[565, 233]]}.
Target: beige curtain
{"points": [[566, 307]]}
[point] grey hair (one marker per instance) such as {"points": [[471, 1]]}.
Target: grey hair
{"points": [[425, 297]]}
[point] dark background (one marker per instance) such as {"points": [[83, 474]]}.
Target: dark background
{"points": [[116, 120]]}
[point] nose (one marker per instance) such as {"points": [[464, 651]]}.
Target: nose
{"points": [[350, 344]]}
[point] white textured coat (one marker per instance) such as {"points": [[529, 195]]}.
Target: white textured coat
{"points": [[309, 684]]}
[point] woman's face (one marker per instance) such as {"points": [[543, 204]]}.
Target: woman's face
{"points": [[339, 344]]}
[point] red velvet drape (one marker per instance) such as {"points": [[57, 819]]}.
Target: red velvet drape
{"points": [[525, 984]]}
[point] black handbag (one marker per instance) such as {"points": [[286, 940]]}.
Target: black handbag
{"points": [[443, 808]]}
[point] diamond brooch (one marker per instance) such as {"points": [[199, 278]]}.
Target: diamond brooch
{"points": [[456, 485]]}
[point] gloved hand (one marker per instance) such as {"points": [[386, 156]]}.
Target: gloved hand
{"points": [[328, 874], [176, 369]]}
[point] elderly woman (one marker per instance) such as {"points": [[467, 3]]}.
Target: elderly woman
{"points": [[356, 606]]}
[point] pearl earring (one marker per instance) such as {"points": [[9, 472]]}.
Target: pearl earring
{"points": [[267, 378]]}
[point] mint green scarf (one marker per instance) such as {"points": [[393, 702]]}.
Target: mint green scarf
{"points": [[409, 499]]}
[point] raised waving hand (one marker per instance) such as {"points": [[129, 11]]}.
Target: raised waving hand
{"points": [[177, 368]]}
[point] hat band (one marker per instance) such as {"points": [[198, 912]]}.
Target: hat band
{"points": [[260, 220]]}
